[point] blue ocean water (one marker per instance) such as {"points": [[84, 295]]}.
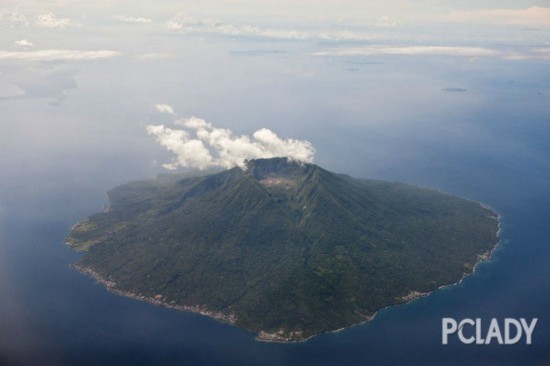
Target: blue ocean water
{"points": [[52, 315]]}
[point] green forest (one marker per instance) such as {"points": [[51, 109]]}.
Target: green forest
{"points": [[284, 248]]}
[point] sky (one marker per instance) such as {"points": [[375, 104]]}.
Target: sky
{"points": [[362, 87]]}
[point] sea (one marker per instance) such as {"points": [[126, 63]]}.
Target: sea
{"points": [[52, 315]]}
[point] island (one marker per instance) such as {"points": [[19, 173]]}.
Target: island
{"points": [[284, 249]]}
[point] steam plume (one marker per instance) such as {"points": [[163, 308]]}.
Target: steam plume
{"points": [[198, 144]]}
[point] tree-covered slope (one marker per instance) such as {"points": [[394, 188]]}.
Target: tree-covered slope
{"points": [[286, 249]]}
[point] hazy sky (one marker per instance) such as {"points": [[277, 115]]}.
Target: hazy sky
{"points": [[370, 85]]}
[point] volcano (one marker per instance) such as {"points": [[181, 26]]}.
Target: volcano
{"points": [[280, 248]]}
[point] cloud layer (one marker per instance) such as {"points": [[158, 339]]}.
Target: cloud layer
{"points": [[534, 53], [410, 50], [57, 55], [135, 20], [50, 20], [198, 144], [188, 24]]}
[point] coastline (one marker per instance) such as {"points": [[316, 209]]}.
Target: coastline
{"points": [[486, 256], [415, 295], [280, 337], [483, 257], [156, 300]]}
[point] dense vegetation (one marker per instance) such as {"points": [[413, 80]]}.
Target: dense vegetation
{"points": [[286, 248]]}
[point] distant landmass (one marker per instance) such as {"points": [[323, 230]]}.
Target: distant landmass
{"points": [[283, 249]]}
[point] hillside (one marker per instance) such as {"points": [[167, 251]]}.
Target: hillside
{"points": [[281, 248]]}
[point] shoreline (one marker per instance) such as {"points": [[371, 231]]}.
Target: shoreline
{"points": [[279, 337], [158, 299], [481, 258], [415, 295]]}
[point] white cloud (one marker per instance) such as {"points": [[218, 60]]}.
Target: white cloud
{"points": [[13, 18], [164, 108], [386, 21], [410, 50], [533, 16], [189, 152], [343, 35], [50, 20], [193, 123], [291, 34], [212, 146], [182, 21], [19, 20], [135, 20], [275, 146], [540, 53], [58, 55], [249, 30], [188, 24], [23, 43]]}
